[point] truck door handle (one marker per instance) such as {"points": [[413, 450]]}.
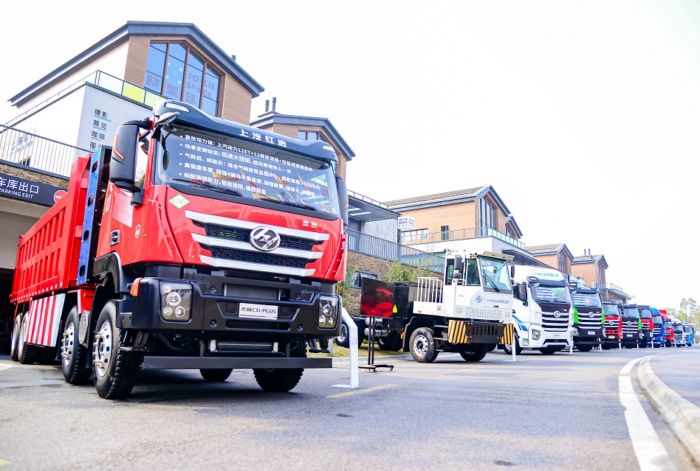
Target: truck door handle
{"points": [[114, 238]]}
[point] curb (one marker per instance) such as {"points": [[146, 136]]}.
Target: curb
{"points": [[682, 416]]}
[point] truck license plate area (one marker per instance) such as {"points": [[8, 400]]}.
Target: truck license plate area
{"points": [[257, 311], [591, 332]]}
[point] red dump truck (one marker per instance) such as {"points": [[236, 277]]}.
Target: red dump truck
{"points": [[193, 243]]}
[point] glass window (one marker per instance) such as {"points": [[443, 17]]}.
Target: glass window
{"points": [[155, 67], [193, 82], [417, 236], [585, 300], [487, 215], [445, 232], [550, 294], [472, 272], [310, 136], [495, 274], [176, 72], [289, 179], [210, 100]]}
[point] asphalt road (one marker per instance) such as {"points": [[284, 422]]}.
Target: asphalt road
{"points": [[542, 412]]}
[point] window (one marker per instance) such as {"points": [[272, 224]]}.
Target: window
{"points": [[416, 236], [445, 232], [487, 215], [310, 136], [561, 263], [176, 72]]}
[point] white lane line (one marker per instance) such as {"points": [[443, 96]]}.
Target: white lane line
{"points": [[5, 365], [651, 454]]}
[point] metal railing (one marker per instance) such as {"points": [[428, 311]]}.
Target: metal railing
{"points": [[608, 286], [413, 238], [388, 250], [102, 80], [367, 199], [36, 152]]}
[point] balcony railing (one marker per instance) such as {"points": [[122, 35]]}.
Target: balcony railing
{"points": [[413, 237], [102, 80], [388, 250], [36, 152], [608, 286]]}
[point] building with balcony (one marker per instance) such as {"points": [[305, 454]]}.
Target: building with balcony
{"points": [[77, 108], [474, 219]]}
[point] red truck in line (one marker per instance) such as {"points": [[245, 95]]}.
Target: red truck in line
{"points": [[193, 243], [612, 322]]}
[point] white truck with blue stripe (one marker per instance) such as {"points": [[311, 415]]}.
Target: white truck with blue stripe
{"points": [[542, 310]]}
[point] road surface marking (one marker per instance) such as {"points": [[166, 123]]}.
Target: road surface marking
{"points": [[5, 366], [4, 463], [651, 454], [362, 391]]}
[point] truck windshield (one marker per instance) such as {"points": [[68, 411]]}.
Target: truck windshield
{"points": [[658, 320], [688, 329], [550, 294], [495, 275], [645, 312], [611, 310], [585, 300], [245, 169], [630, 312]]}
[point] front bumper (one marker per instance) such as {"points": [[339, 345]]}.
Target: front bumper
{"points": [[216, 313]]}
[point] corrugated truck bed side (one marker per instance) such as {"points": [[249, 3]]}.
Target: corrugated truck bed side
{"points": [[45, 253]]}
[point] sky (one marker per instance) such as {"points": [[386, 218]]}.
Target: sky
{"points": [[583, 116]]}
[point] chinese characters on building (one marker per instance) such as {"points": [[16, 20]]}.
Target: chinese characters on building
{"points": [[100, 122]]}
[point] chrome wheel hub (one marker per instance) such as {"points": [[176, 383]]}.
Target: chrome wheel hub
{"points": [[102, 354]]}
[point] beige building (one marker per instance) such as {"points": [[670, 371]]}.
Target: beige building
{"points": [[460, 214], [555, 255]]}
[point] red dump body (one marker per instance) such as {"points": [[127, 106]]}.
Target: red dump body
{"points": [[47, 255]]}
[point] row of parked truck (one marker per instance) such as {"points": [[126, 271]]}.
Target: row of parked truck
{"points": [[548, 312], [200, 243]]}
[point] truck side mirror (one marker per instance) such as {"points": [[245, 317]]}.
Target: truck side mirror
{"points": [[522, 292], [343, 201], [123, 164]]}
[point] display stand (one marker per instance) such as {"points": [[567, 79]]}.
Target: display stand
{"points": [[371, 337]]}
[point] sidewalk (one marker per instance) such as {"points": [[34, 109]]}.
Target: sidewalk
{"points": [[672, 383]]}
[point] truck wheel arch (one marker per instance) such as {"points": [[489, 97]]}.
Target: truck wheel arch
{"points": [[413, 324]]}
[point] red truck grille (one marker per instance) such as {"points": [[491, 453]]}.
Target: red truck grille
{"points": [[230, 242]]}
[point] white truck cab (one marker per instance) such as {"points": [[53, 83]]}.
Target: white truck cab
{"points": [[542, 310]]}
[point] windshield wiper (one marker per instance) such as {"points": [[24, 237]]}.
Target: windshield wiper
{"points": [[209, 186], [296, 205], [492, 283]]}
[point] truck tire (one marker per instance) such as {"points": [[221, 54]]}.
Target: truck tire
{"points": [[391, 343], [422, 345], [584, 348], [26, 354], [114, 369], [73, 354], [215, 375], [474, 353], [508, 348], [282, 380], [14, 338], [549, 350]]}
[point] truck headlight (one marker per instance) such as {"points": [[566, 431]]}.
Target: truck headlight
{"points": [[328, 312], [175, 301], [574, 331], [535, 334]]}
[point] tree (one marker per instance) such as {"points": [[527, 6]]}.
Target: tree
{"points": [[689, 312], [343, 288], [399, 272]]}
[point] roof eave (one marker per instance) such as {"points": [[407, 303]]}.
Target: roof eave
{"points": [[141, 28]]}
